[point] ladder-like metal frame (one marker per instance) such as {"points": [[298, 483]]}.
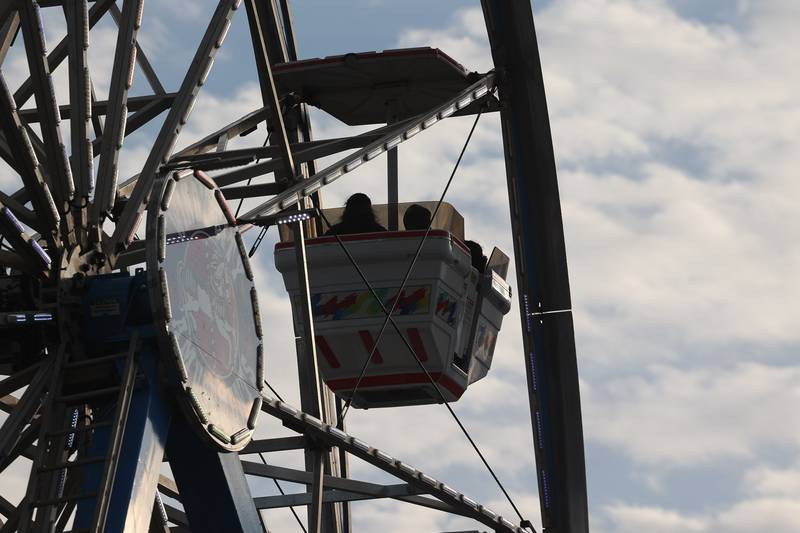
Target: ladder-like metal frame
{"points": [[47, 498]]}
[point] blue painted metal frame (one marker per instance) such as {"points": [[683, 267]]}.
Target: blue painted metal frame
{"points": [[136, 479], [115, 305], [213, 487]]}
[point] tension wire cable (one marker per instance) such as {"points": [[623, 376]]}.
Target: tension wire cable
{"points": [[389, 318], [408, 271], [249, 180], [263, 231], [430, 379], [280, 489], [261, 455]]}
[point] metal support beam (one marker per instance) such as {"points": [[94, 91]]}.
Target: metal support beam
{"points": [[20, 146], [308, 375], [100, 108], [141, 59], [301, 152], [60, 51], [113, 135], [330, 436], [240, 126], [8, 32], [393, 187], [59, 170], [542, 279], [334, 485], [223, 502], [80, 96], [257, 18], [274, 445], [23, 413], [394, 136], [315, 517], [196, 76]]}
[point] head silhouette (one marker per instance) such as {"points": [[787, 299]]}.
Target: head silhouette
{"points": [[358, 210], [478, 259], [416, 217]]}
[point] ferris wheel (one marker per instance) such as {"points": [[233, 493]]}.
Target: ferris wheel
{"points": [[130, 331]]}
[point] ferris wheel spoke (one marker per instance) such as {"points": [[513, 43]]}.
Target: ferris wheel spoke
{"points": [[141, 58], [60, 52], [21, 242], [144, 110], [117, 110], [19, 379], [80, 97], [25, 215], [7, 155], [8, 30], [24, 411], [19, 143], [178, 115], [60, 172], [24, 446]]}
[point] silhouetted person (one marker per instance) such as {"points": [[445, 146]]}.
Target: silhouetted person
{"points": [[478, 259], [357, 217], [416, 217]]}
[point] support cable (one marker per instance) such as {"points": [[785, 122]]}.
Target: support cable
{"points": [[278, 396], [280, 489], [241, 200], [389, 318]]}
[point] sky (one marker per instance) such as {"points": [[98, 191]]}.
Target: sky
{"points": [[674, 126]]}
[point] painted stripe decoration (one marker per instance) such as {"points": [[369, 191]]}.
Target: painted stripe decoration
{"points": [[327, 353], [416, 342], [369, 342]]}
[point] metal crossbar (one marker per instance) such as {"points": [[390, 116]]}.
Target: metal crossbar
{"points": [[391, 139], [332, 436]]}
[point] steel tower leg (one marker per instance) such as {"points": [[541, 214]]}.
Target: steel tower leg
{"points": [[212, 485], [270, 28], [136, 478], [541, 263]]}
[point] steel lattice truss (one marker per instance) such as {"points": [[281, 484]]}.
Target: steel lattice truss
{"points": [[74, 217]]}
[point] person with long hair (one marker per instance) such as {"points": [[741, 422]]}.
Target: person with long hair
{"points": [[357, 217]]}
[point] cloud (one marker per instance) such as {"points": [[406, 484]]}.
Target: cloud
{"points": [[777, 515], [680, 418], [774, 482], [652, 519]]}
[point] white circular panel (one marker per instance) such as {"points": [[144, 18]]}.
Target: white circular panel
{"points": [[205, 307]]}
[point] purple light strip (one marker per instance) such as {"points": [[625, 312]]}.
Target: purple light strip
{"points": [[40, 252], [12, 219], [527, 312]]}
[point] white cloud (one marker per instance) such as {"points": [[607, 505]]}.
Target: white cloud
{"points": [[774, 482], [684, 417], [778, 515], [631, 519]]}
